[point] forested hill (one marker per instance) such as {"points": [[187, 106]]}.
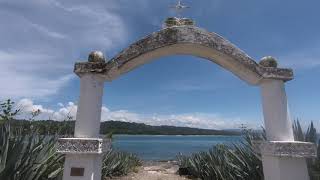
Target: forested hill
{"points": [[115, 127], [118, 127]]}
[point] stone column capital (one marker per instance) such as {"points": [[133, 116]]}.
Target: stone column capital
{"points": [[97, 65]]}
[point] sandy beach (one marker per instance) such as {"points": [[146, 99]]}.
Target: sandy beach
{"points": [[154, 171]]}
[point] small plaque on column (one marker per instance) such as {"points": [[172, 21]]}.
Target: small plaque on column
{"points": [[76, 171]]}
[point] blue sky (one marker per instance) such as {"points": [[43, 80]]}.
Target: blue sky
{"points": [[42, 39]]}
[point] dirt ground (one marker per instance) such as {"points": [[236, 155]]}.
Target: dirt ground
{"points": [[155, 171]]}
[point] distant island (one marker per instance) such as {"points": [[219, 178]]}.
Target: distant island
{"points": [[50, 127]]}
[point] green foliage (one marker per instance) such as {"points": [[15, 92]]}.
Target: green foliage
{"points": [[297, 131], [66, 128], [237, 162], [27, 148], [7, 111], [117, 127], [31, 157], [46, 127], [119, 163], [109, 135], [240, 162], [311, 134]]}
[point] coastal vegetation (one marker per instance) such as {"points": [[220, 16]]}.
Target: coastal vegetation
{"points": [[25, 154], [66, 127], [119, 163], [241, 161], [27, 150], [236, 162]]}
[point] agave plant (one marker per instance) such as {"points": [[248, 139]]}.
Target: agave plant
{"points": [[22, 157], [240, 161], [221, 162], [119, 163], [31, 158], [310, 136]]}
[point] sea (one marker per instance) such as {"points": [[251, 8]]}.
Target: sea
{"points": [[166, 147]]}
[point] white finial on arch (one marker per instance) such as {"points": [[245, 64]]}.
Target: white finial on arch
{"points": [[179, 7]]}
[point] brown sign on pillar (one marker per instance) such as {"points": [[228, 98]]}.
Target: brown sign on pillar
{"points": [[76, 171]]}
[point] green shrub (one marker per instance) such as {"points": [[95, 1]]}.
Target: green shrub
{"points": [[309, 136], [119, 163], [239, 161], [221, 162], [31, 156], [26, 157]]}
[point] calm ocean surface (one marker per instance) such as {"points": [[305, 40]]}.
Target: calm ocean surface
{"points": [[149, 147]]}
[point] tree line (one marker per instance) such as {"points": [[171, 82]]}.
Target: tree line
{"points": [[50, 127]]}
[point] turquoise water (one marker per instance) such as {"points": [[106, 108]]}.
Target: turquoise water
{"points": [[149, 147]]}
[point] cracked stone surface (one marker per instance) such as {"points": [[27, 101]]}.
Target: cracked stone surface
{"points": [[185, 40]]}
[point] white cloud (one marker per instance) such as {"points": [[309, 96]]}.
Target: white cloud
{"points": [[46, 31], [27, 106], [23, 85], [29, 79], [65, 111], [197, 120], [41, 40]]}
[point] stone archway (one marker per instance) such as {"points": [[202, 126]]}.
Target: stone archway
{"points": [[283, 158], [188, 40]]}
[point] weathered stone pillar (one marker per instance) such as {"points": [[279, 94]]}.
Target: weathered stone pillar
{"points": [[275, 110], [282, 157], [84, 152], [89, 108]]}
